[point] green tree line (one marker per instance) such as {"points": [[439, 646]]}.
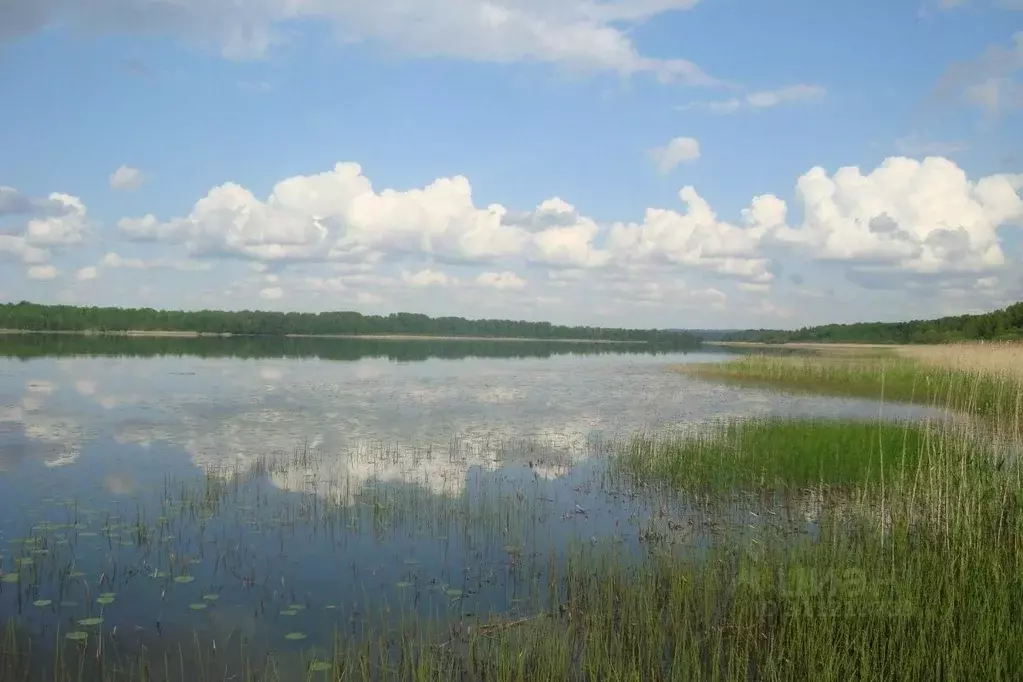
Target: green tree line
{"points": [[1004, 324], [57, 318]]}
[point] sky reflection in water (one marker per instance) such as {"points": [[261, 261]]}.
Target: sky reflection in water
{"points": [[456, 480]]}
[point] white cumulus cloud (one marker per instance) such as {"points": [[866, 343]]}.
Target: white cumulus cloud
{"points": [[678, 151], [87, 273], [913, 216], [126, 177], [333, 234]]}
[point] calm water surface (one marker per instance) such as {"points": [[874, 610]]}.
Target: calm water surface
{"points": [[282, 493]]}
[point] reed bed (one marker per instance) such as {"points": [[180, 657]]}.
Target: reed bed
{"points": [[1004, 358], [970, 389]]}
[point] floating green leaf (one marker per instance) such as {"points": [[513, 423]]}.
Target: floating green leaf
{"points": [[9, 578], [403, 585], [76, 574], [289, 612], [294, 636], [296, 607], [77, 636], [211, 597], [319, 666], [158, 574], [184, 579], [87, 622], [105, 601], [453, 592], [108, 595], [198, 606], [42, 602]]}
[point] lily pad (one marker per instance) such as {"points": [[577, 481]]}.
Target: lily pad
{"points": [[105, 601], [403, 585], [9, 578], [77, 636], [211, 597], [198, 606], [295, 636], [453, 592], [319, 666], [289, 612], [88, 622], [25, 561], [42, 602], [184, 579], [76, 574], [158, 574], [296, 607], [108, 595]]}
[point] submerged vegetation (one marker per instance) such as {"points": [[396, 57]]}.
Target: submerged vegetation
{"points": [[54, 318]]}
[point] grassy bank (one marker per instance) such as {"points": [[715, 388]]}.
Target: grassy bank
{"points": [[979, 383]]}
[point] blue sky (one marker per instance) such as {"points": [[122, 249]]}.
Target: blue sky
{"points": [[516, 158]]}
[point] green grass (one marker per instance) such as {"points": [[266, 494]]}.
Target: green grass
{"points": [[758, 454], [879, 376]]}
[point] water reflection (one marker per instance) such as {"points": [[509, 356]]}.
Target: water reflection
{"points": [[435, 419], [211, 498]]}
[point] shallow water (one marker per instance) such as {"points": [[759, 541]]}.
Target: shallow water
{"points": [[341, 494]]}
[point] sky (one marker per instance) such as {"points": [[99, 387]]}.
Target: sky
{"points": [[641, 163]]}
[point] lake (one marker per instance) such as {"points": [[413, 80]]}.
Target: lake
{"points": [[265, 494]]}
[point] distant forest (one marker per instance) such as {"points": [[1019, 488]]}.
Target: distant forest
{"points": [[56, 318], [1005, 324]]}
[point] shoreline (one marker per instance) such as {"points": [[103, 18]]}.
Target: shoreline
{"points": [[804, 344], [367, 337]]}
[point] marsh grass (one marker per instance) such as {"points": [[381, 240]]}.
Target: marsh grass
{"points": [[992, 358], [766, 454], [994, 392]]}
